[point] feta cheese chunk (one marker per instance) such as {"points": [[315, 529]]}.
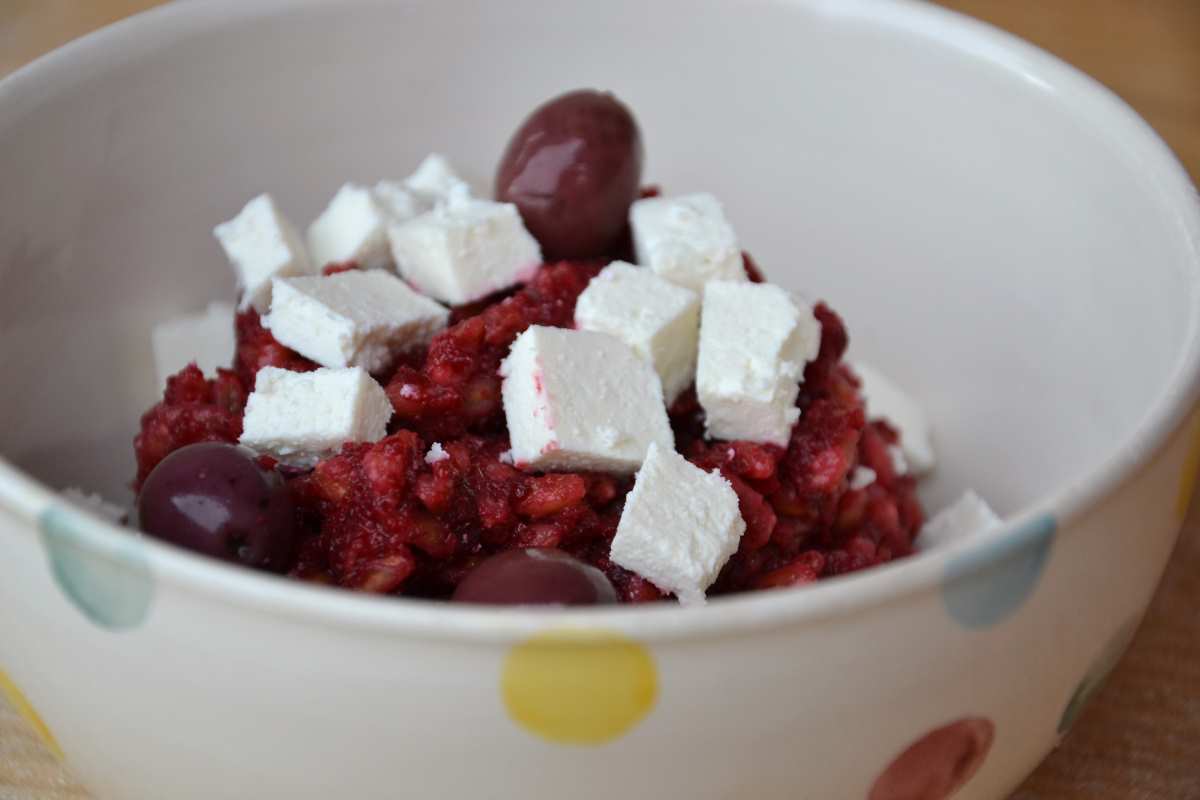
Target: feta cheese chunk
{"points": [[580, 400], [301, 417], [93, 503], [464, 251], [206, 338], [435, 181], [679, 527], [659, 320], [967, 516], [686, 240], [887, 400], [352, 319], [861, 478], [436, 453], [261, 244], [754, 341], [353, 227], [399, 203]]}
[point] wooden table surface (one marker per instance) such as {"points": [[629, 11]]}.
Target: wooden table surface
{"points": [[1140, 737]]}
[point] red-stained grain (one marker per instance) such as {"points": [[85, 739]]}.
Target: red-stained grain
{"points": [[381, 519]]}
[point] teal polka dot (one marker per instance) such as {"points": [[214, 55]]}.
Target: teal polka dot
{"points": [[110, 582], [986, 586], [1101, 667]]}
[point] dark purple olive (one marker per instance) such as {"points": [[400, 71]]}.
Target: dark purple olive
{"points": [[573, 168], [535, 576], [214, 498]]}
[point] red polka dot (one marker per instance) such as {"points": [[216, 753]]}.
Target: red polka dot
{"points": [[938, 764]]}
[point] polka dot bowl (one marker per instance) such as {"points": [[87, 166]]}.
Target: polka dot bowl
{"points": [[1002, 234]]}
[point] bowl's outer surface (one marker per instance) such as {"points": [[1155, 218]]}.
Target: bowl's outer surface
{"points": [[923, 173], [156, 690]]}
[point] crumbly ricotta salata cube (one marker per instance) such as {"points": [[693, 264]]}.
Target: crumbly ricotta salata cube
{"points": [[353, 227], [965, 517], [301, 417], [581, 400], [755, 339], [887, 400], [262, 244], [463, 251], [353, 318], [206, 338], [435, 181], [659, 320], [686, 239], [679, 527]]}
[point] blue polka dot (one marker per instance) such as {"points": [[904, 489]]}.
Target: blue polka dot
{"points": [[986, 586], [1101, 667], [110, 582]]}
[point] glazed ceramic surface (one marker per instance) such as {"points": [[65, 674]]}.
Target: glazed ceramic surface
{"points": [[1002, 236]]}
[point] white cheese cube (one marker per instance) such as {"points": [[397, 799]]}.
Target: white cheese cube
{"points": [[679, 527], [462, 252], [352, 319], [435, 181], [397, 201], [301, 417], [686, 239], [861, 478], [579, 400], [755, 339], [353, 227], [887, 400], [659, 320], [436, 453], [261, 244], [967, 516], [207, 338], [93, 503]]}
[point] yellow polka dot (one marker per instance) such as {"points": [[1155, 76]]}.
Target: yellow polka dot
{"points": [[577, 687], [16, 698], [1191, 468]]}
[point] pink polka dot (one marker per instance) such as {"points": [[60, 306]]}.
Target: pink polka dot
{"points": [[938, 764]]}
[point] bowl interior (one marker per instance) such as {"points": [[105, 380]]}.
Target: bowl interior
{"points": [[983, 220]]}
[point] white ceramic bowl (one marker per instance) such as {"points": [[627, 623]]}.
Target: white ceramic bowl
{"points": [[1001, 234]]}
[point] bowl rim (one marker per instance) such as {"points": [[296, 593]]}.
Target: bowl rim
{"points": [[27, 498]]}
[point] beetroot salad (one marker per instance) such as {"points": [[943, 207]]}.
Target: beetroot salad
{"points": [[419, 403]]}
